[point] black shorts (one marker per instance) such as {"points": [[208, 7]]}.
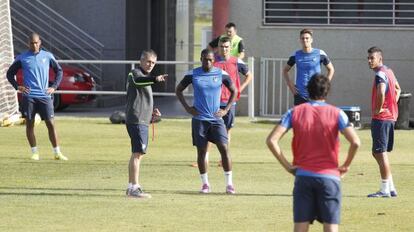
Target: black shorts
{"points": [[42, 106], [139, 137], [208, 131], [230, 117], [382, 133], [316, 198]]}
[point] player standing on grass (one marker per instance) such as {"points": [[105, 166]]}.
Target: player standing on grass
{"points": [[385, 94], [207, 122], [233, 66], [139, 110], [315, 147], [308, 62], [36, 91]]}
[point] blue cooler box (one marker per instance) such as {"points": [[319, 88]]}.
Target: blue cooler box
{"points": [[354, 115]]}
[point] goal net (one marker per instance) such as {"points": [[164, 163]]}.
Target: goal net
{"points": [[8, 97]]}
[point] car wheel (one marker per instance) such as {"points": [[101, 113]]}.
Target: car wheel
{"points": [[62, 107], [57, 104], [56, 101]]}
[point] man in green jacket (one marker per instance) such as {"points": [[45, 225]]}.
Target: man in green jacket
{"points": [[237, 46]]}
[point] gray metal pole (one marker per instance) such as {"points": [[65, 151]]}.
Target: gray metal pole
{"points": [[250, 97]]}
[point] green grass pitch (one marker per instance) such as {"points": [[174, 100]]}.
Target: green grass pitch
{"points": [[86, 193]]}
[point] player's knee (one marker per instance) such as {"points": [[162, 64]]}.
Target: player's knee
{"points": [[30, 124], [137, 155]]}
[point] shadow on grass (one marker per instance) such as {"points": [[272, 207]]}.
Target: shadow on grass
{"points": [[178, 163], [29, 191], [17, 191], [184, 192], [58, 189], [267, 121], [58, 194], [213, 164], [51, 161], [88, 192]]}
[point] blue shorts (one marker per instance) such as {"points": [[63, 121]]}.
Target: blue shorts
{"points": [[208, 131], [316, 198], [382, 133], [230, 117], [298, 99], [43, 106], [139, 137]]}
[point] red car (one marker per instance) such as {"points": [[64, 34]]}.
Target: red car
{"points": [[73, 79]]}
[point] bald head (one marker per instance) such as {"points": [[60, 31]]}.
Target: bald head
{"points": [[34, 35], [34, 42]]}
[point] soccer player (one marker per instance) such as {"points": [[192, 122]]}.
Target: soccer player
{"points": [[233, 66], [308, 62], [139, 110], [36, 91], [315, 147], [237, 46], [207, 122], [385, 94]]}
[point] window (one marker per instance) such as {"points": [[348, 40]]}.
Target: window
{"points": [[339, 12]]}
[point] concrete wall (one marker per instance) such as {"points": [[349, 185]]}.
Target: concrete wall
{"points": [[104, 20], [125, 28], [345, 46]]}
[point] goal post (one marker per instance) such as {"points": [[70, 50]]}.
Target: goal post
{"points": [[8, 97]]}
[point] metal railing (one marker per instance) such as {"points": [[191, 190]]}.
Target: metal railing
{"points": [[274, 93], [64, 39], [133, 63]]}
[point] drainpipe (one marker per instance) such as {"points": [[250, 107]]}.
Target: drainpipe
{"points": [[221, 11]]}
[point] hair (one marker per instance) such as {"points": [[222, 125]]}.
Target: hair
{"points": [[318, 87], [225, 39], [375, 50], [306, 31], [206, 51], [148, 53], [230, 24]]}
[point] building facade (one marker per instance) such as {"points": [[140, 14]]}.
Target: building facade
{"points": [[343, 29]]}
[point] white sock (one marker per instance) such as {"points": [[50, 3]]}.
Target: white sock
{"points": [[391, 184], [204, 178], [56, 150], [206, 159], [385, 186], [229, 177], [34, 150], [129, 185]]}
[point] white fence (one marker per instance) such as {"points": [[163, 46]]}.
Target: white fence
{"points": [[275, 97]]}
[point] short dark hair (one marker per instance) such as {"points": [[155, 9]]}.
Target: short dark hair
{"points": [[318, 87], [224, 39], [230, 24], [206, 51], [374, 50], [147, 53], [306, 31]]}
